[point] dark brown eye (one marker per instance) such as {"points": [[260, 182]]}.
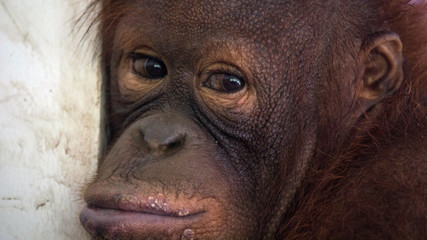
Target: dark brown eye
{"points": [[224, 82], [148, 67]]}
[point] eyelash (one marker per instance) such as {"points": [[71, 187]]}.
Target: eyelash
{"points": [[225, 70], [136, 55]]}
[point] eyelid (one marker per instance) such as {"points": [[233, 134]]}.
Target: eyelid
{"points": [[143, 52], [135, 55], [221, 69]]}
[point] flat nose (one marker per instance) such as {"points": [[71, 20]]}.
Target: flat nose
{"points": [[162, 135]]}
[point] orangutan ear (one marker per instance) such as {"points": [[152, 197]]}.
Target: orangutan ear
{"points": [[382, 71]]}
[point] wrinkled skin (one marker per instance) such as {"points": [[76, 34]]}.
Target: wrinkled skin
{"points": [[191, 157]]}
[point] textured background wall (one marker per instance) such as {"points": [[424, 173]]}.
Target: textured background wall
{"points": [[49, 117]]}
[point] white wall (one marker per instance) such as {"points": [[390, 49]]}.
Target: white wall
{"points": [[49, 117]]}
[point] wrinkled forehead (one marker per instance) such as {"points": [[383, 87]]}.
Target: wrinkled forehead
{"points": [[218, 14], [199, 19]]}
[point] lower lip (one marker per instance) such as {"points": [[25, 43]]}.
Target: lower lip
{"points": [[111, 223]]}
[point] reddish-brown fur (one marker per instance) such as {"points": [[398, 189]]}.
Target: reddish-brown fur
{"points": [[376, 187]]}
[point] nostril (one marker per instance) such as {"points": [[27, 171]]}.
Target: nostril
{"points": [[161, 143], [173, 145]]}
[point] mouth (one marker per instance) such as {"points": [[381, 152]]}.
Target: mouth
{"points": [[122, 215]]}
